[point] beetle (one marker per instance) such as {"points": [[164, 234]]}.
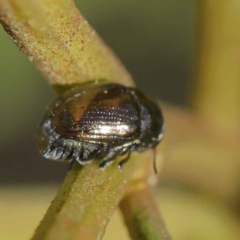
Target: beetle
{"points": [[99, 121]]}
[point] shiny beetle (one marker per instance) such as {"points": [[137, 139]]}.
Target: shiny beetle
{"points": [[99, 121]]}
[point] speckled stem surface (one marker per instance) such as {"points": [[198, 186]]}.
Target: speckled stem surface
{"points": [[84, 204], [60, 42]]}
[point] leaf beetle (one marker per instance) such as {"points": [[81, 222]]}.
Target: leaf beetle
{"points": [[99, 121]]}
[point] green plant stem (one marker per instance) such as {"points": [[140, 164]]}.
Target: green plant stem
{"points": [[88, 197], [84, 203], [60, 42], [141, 215]]}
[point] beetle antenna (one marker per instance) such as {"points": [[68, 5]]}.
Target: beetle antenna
{"points": [[155, 160]]}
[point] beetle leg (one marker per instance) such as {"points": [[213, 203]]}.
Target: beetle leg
{"points": [[105, 163], [124, 160], [67, 151]]}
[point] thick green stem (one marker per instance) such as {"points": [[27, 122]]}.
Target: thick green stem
{"points": [[84, 203], [60, 42]]}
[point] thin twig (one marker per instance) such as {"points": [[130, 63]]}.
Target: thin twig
{"points": [[141, 214]]}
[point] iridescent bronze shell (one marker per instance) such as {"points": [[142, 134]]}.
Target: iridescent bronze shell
{"points": [[99, 121]]}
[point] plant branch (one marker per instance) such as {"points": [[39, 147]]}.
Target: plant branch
{"points": [[60, 42], [141, 214], [84, 203]]}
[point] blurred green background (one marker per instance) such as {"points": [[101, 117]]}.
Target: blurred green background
{"points": [[154, 40]]}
